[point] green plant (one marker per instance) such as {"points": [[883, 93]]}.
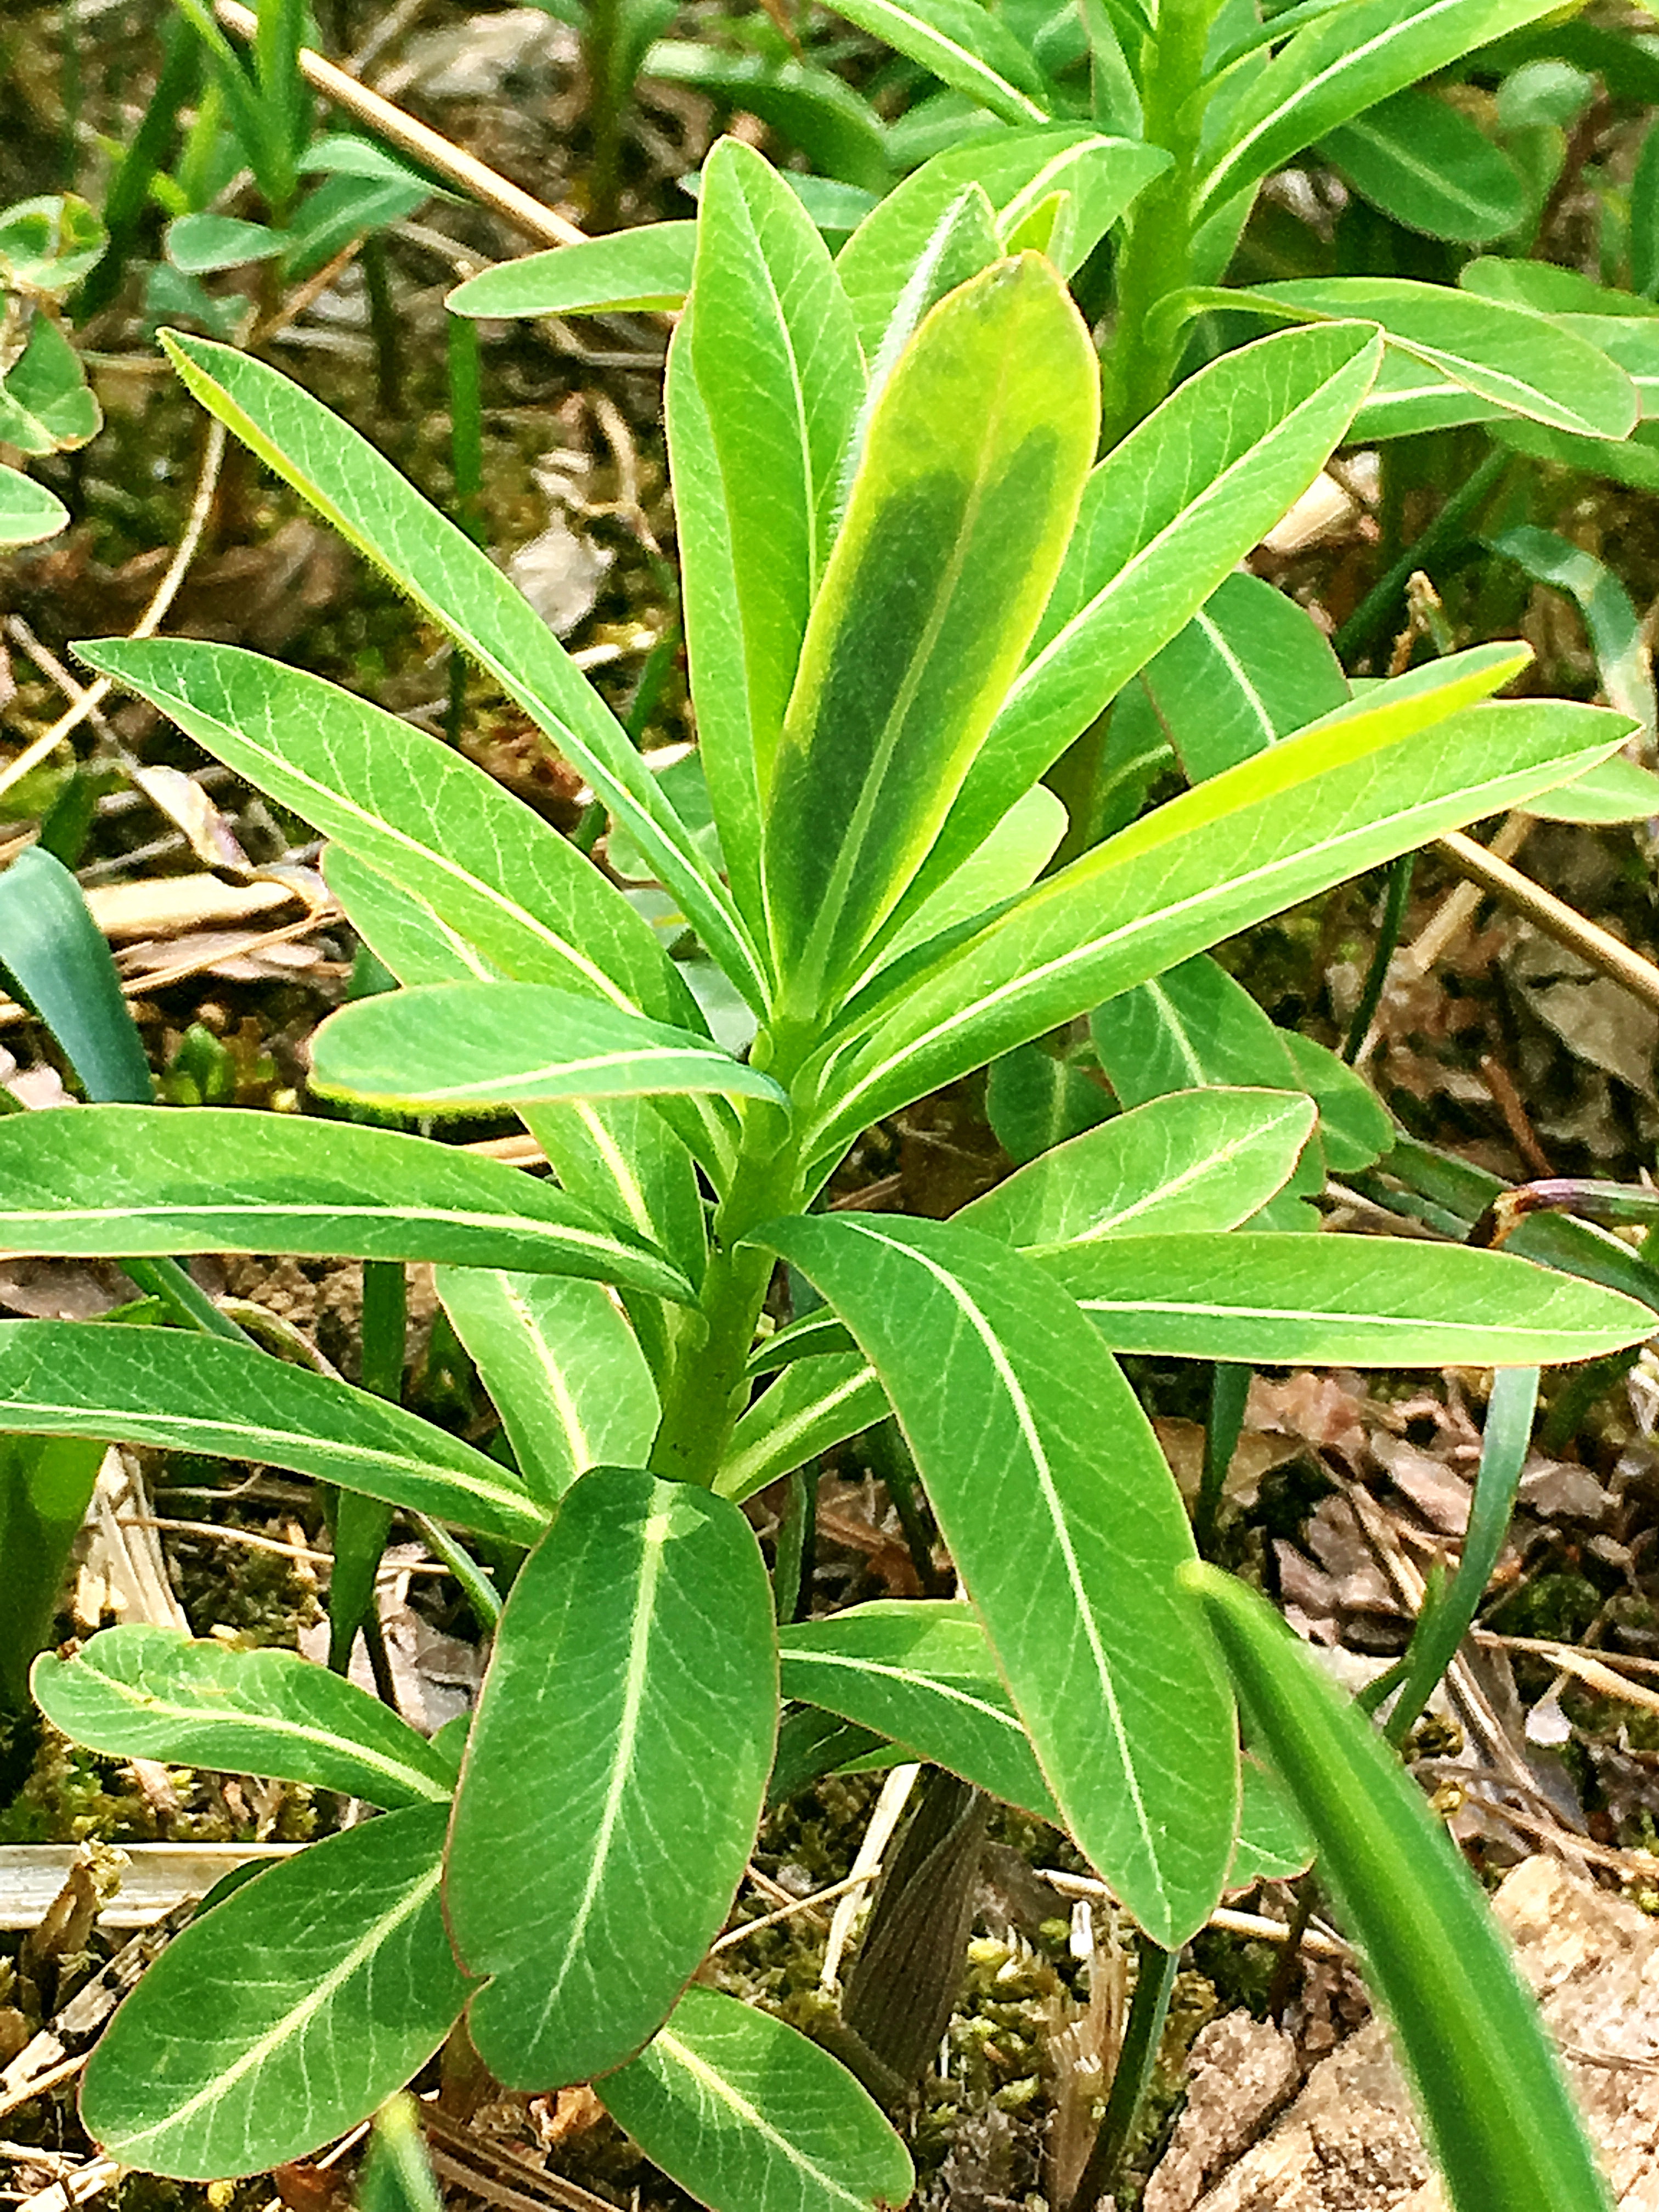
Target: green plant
{"points": [[46, 406], [908, 589], [220, 125]]}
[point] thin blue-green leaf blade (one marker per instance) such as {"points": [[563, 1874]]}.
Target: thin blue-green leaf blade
{"points": [[1499, 2116], [56, 957]]}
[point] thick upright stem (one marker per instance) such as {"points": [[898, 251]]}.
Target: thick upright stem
{"points": [[701, 1399], [1156, 258]]}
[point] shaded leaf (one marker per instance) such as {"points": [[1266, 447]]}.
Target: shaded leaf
{"points": [[1499, 2116], [563, 1370], [629, 270], [817, 1402], [920, 1672]]}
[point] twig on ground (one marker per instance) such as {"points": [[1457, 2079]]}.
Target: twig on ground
{"points": [[796, 1905], [474, 177], [148, 623]]}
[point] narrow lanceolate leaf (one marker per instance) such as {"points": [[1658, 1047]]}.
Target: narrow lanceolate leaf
{"points": [[563, 1370], [720, 631], [618, 1766], [1499, 2118], [200, 1393], [1430, 167], [452, 1047], [1194, 1023], [1064, 1523], [923, 1674], [1523, 362], [131, 1181], [58, 960], [631, 270], [814, 1404], [1338, 65], [779, 377], [1168, 514], [1194, 1160], [1017, 169], [442, 831], [378, 511], [743, 2110], [1289, 1301], [145, 1692], [1321, 807], [965, 46], [288, 2014], [973, 463]]}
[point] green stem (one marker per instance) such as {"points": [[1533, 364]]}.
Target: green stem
{"points": [[1158, 253], [1388, 939], [1381, 602], [601, 52], [1230, 1387], [183, 1297], [1149, 2007], [703, 1394], [479, 1591]]}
